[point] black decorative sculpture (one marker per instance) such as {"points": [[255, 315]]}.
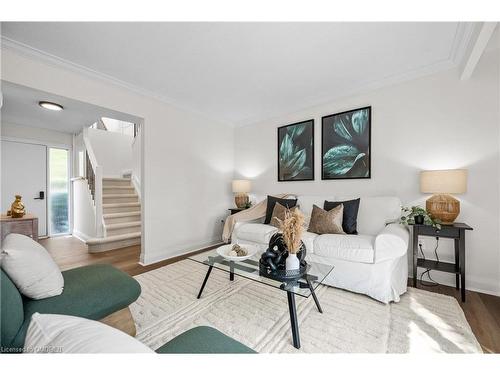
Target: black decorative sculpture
{"points": [[275, 255]]}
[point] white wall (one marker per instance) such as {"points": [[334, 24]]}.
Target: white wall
{"points": [[113, 151], [83, 205], [187, 164], [436, 122], [44, 136], [84, 209]]}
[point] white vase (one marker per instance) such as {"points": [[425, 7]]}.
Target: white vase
{"points": [[292, 262]]}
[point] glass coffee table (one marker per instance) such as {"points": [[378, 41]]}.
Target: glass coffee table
{"points": [[249, 269]]}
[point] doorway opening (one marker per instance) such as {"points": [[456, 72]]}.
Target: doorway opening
{"points": [[78, 169]]}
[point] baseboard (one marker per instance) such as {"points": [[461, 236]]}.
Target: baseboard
{"points": [[468, 287], [81, 236], [188, 252]]}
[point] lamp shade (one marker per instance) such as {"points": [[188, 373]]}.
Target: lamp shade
{"points": [[449, 181], [241, 186]]}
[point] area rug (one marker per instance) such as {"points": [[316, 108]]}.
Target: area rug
{"points": [[257, 315]]}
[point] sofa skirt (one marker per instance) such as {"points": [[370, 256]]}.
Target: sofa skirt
{"points": [[385, 281]]}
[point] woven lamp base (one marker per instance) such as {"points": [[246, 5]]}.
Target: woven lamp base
{"points": [[443, 207], [241, 200]]}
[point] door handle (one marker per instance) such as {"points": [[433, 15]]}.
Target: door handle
{"points": [[41, 195]]}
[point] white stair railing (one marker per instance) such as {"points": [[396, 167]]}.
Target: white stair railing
{"points": [[94, 178]]}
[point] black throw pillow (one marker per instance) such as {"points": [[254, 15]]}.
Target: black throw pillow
{"points": [[350, 218], [271, 201]]}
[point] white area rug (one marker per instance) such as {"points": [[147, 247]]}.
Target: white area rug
{"points": [[257, 315]]}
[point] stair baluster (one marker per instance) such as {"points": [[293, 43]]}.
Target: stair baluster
{"points": [[89, 173]]}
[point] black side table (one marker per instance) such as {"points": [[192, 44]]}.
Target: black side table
{"points": [[235, 210], [455, 231]]}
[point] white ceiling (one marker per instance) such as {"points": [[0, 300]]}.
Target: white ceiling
{"points": [[20, 106], [246, 72]]}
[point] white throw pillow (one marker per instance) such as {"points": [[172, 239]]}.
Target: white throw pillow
{"points": [[31, 267], [51, 333]]}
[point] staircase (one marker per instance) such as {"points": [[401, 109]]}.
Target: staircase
{"points": [[121, 216]]}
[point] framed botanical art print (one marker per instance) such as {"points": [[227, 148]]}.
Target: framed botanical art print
{"points": [[345, 147], [296, 151]]}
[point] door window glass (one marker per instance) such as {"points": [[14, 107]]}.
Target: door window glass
{"points": [[58, 191]]}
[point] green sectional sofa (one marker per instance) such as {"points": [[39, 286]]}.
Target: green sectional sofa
{"points": [[203, 340], [94, 292], [91, 292]]}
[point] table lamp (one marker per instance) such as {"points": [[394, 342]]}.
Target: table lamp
{"points": [[442, 183], [241, 188]]}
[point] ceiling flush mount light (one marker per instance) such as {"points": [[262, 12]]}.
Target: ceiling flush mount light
{"points": [[51, 106]]}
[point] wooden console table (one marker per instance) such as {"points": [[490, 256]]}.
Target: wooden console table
{"points": [[455, 231], [27, 225]]}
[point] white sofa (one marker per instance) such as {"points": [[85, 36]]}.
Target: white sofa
{"points": [[373, 262]]}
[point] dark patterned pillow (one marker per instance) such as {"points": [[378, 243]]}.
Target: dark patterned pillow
{"points": [[271, 201], [350, 219]]}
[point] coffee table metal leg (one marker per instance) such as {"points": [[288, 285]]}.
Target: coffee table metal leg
{"points": [[293, 319], [205, 281], [314, 296], [231, 271]]}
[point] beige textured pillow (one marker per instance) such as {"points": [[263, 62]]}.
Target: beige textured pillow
{"points": [[279, 213], [326, 222]]}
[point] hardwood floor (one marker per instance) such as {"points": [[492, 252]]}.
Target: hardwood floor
{"points": [[69, 252], [481, 310]]}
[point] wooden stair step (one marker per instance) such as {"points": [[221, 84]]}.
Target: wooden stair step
{"points": [[104, 196], [96, 245], [123, 225], [118, 187], [121, 214], [119, 198], [115, 179], [124, 204], [122, 207], [92, 241]]}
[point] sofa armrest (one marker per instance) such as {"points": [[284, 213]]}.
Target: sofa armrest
{"points": [[260, 220], [392, 242]]}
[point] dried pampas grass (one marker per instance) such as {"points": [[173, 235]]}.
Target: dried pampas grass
{"points": [[292, 228]]}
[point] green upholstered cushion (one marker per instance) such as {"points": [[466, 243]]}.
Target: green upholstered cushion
{"points": [[91, 292], [11, 310], [201, 340]]}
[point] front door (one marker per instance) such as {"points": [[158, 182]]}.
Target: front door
{"points": [[24, 172]]}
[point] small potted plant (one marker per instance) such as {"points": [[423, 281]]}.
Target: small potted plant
{"points": [[418, 215], [292, 227]]}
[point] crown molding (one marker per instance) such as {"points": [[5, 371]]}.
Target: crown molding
{"points": [[461, 41], [52, 60], [45, 57], [460, 44], [463, 37], [366, 88]]}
